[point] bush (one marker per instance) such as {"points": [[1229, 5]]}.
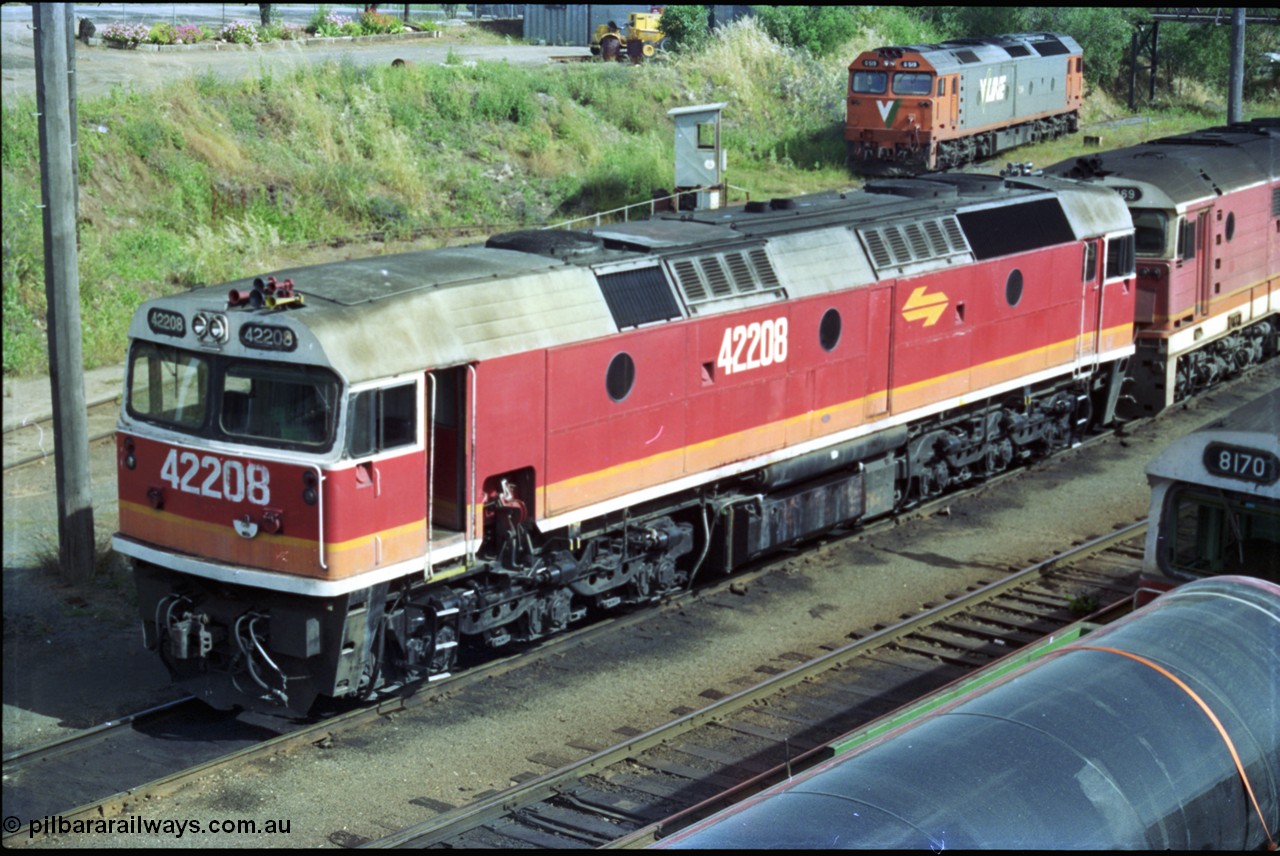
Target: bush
{"points": [[125, 34], [179, 34], [376, 23], [279, 31], [333, 24], [686, 27], [817, 29], [240, 32]]}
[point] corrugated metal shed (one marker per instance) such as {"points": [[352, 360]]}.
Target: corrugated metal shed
{"points": [[573, 23]]}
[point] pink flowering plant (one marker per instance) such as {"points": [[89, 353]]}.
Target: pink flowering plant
{"points": [[176, 34], [333, 24], [240, 32], [125, 34]]}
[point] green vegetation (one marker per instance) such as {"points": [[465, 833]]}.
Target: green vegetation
{"points": [[205, 181]]}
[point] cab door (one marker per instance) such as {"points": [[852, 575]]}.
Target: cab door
{"points": [[1090, 300], [447, 446], [1204, 265]]}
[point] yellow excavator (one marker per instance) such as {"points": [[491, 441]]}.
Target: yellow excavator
{"points": [[641, 39]]}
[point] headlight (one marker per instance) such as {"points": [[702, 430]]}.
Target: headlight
{"points": [[218, 328], [209, 327]]}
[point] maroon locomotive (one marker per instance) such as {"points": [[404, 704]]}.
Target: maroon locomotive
{"points": [[1205, 207]]}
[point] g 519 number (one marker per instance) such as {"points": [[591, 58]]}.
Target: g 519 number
{"points": [[753, 346], [210, 476]]}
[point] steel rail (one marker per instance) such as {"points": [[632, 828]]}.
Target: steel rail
{"points": [[542, 787]]}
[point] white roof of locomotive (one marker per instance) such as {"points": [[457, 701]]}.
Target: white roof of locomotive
{"points": [[388, 315], [1253, 426]]}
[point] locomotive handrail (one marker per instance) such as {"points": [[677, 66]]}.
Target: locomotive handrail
{"points": [[651, 205], [320, 510], [431, 473], [471, 499]]}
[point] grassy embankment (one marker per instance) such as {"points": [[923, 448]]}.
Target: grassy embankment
{"points": [[204, 181]]}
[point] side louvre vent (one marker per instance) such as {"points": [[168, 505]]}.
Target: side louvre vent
{"points": [[1275, 202], [764, 270], [904, 244], [690, 284], [715, 277], [724, 281], [638, 297]]}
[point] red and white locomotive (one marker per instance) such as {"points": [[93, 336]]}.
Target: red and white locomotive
{"points": [[331, 477], [916, 108]]}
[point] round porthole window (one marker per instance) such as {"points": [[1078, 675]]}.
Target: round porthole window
{"points": [[829, 330], [1231, 225], [1013, 287], [620, 377]]}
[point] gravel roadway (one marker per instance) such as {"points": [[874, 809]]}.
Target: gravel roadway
{"points": [[471, 741], [100, 68]]}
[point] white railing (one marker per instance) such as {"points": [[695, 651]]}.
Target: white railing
{"points": [[671, 202]]}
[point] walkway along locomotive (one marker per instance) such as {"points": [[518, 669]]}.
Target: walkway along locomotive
{"points": [[332, 476], [918, 108]]}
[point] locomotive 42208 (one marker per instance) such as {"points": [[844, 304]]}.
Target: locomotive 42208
{"points": [[332, 477]]}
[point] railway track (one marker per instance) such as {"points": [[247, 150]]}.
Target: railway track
{"points": [[120, 765], [654, 783], [34, 441]]}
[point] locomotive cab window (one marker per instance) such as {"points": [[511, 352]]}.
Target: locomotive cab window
{"points": [[381, 419], [1151, 230], [912, 83], [1219, 533], [168, 385], [1187, 240], [278, 404], [1120, 261], [1090, 262], [869, 82]]}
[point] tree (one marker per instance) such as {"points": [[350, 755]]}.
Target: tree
{"points": [[1103, 32], [818, 29], [686, 27]]}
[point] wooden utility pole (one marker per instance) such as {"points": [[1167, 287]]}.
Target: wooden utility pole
{"points": [[54, 101], [1235, 93]]}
